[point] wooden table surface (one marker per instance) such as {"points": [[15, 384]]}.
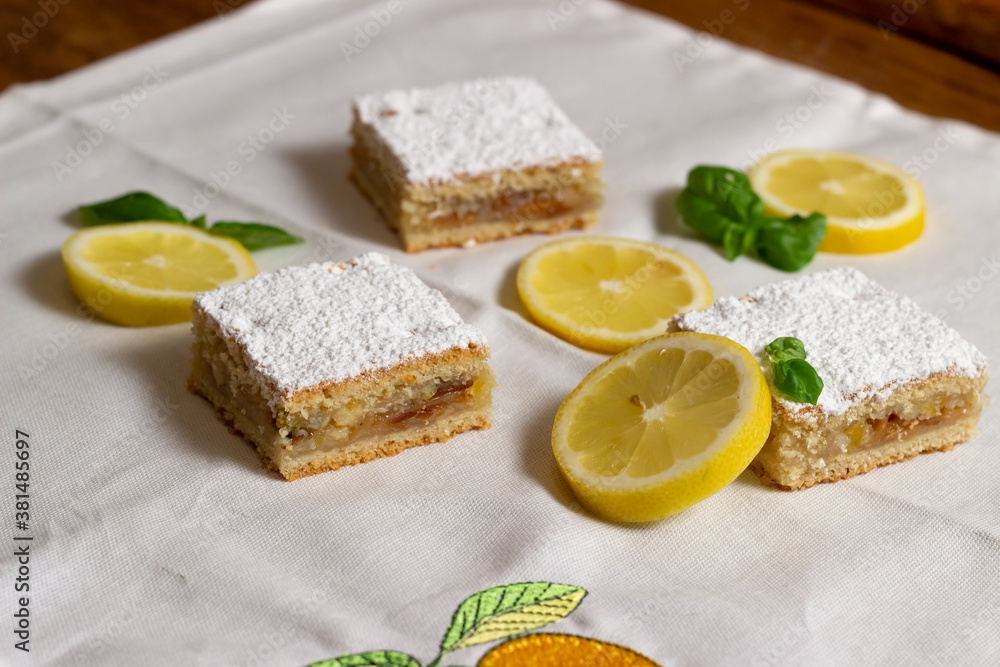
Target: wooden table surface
{"points": [[916, 75]]}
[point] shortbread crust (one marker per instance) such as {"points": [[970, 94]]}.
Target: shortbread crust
{"points": [[332, 364], [897, 380]]}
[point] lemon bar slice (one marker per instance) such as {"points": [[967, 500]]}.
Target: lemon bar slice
{"points": [[462, 163], [333, 364], [898, 381]]}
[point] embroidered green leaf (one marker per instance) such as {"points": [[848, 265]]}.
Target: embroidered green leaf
{"points": [[369, 659], [504, 611]]}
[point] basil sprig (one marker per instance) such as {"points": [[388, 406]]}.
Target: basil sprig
{"points": [[794, 377], [720, 204], [253, 235], [139, 206]]}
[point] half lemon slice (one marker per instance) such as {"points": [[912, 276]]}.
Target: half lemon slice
{"points": [[147, 273], [662, 426], [605, 293], [870, 205]]}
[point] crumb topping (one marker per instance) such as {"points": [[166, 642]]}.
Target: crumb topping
{"points": [[323, 323], [474, 128], [864, 340]]}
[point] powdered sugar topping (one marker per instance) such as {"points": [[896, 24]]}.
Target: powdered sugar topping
{"points": [[308, 325], [863, 340], [474, 128]]}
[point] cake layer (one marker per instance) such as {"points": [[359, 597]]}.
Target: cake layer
{"points": [[401, 411], [930, 415], [466, 235], [943, 437], [437, 232], [299, 329], [549, 199], [330, 364], [466, 163], [897, 381]]}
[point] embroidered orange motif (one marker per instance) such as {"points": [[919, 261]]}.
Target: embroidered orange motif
{"points": [[544, 650], [507, 612]]}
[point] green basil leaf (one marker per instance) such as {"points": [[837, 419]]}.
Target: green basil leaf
{"points": [[254, 235], [785, 349], [730, 189], [715, 198], [199, 222], [134, 206], [791, 244], [798, 380], [720, 204], [794, 377], [738, 239], [702, 215]]}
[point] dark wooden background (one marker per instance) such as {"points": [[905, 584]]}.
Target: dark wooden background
{"points": [[943, 60]]}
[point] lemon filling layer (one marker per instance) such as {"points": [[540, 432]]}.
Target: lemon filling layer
{"points": [[438, 401], [575, 197], [903, 423], [512, 205], [318, 431]]}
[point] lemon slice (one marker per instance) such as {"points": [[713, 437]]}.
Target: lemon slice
{"points": [[606, 293], [662, 426], [147, 273], [870, 205]]}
